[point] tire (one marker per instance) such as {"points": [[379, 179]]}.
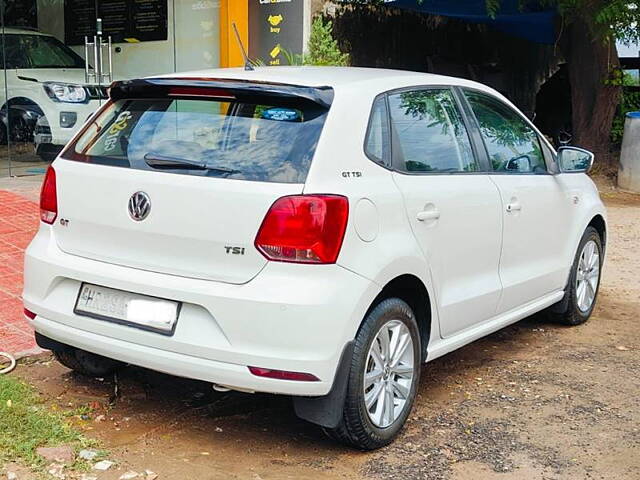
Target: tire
{"points": [[3, 133], [574, 309], [86, 363], [360, 427]]}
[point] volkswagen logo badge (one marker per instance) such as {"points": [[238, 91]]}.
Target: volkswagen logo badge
{"points": [[139, 206]]}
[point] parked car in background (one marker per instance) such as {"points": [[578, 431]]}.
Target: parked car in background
{"points": [[45, 97], [313, 232]]}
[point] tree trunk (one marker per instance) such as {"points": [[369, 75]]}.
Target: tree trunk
{"points": [[594, 100]]}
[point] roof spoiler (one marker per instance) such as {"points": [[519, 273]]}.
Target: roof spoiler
{"points": [[219, 88]]}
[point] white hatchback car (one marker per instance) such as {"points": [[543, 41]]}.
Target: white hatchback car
{"points": [[314, 232]]}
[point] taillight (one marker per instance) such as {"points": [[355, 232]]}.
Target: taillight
{"points": [[304, 229], [29, 314], [49, 197]]}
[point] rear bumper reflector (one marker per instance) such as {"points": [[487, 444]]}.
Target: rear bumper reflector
{"points": [[283, 375]]}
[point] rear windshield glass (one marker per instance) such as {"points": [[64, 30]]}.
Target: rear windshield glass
{"points": [[247, 141]]}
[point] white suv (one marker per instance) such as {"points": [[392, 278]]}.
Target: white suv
{"points": [[45, 90], [314, 232]]}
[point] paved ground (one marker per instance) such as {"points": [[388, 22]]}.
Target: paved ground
{"points": [[532, 401], [20, 160], [18, 223]]}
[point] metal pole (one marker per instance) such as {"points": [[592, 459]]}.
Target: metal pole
{"points": [[110, 62], [6, 89], [96, 55], [86, 59]]}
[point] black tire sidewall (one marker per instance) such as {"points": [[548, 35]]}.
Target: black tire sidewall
{"points": [[390, 309]]}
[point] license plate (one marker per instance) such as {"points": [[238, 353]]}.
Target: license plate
{"points": [[133, 309]]}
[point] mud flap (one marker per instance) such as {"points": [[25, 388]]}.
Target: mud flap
{"points": [[326, 411]]}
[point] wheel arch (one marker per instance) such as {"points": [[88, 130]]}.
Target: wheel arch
{"points": [[414, 292], [22, 107], [327, 410], [23, 101], [599, 223]]}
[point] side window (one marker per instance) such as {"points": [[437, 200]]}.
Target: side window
{"points": [[376, 145], [429, 134], [513, 146]]}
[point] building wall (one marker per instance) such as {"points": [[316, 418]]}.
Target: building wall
{"points": [[193, 40]]}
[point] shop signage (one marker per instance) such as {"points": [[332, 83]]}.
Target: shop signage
{"points": [[275, 29], [125, 20]]}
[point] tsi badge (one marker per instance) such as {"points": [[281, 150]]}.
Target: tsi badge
{"points": [[139, 206]]}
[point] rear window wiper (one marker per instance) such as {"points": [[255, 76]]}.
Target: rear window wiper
{"points": [[168, 162]]}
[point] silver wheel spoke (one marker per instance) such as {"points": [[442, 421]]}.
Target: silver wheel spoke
{"points": [[371, 397], [383, 337], [394, 340], [372, 377], [380, 405], [589, 293], [389, 405], [402, 391], [402, 370], [376, 355], [402, 345]]}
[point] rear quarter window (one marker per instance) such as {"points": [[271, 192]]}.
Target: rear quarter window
{"points": [[247, 141]]}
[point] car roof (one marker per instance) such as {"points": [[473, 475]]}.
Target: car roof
{"points": [[376, 79], [24, 31]]}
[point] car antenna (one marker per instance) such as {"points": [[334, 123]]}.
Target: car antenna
{"points": [[248, 66]]}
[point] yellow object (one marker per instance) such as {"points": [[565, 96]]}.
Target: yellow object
{"points": [[233, 11], [275, 20], [276, 51]]}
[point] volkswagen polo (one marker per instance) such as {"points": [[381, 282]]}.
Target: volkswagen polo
{"points": [[313, 232]]}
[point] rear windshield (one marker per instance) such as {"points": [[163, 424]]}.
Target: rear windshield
{"points": [[247, 141]]}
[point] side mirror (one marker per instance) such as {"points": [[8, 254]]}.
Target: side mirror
{"points": [[519, 164], [574, 160]]}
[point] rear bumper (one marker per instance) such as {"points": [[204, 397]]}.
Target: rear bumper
{"points": [[289, 317]]}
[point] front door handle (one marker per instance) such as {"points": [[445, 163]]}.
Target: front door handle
{"points": [[514, 207], [428, 215]]}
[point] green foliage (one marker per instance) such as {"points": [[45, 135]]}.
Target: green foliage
{"points": [[323, 48], [609, 19], [26, 424], [293, 58]]}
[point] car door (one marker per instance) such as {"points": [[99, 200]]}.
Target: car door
{"points": [[453, 207], [535, 207]]}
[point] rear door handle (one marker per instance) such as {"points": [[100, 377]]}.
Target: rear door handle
{"points": [[428, 215], [514, 207]]}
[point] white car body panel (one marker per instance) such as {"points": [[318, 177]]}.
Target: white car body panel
{"points": [[532, 261], [239, 313], [193, 217], [462, 246]]}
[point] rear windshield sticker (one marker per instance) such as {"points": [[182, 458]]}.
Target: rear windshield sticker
{"points": [[282, 115], [118, 126]]}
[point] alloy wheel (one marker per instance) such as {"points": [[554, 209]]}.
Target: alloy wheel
{"points": [[587, 276], [389, 373]]}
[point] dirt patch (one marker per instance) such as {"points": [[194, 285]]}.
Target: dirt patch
{"points": [[534, 401]]}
